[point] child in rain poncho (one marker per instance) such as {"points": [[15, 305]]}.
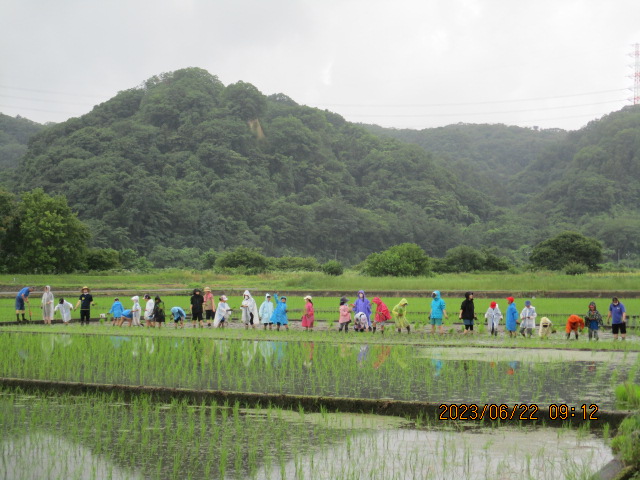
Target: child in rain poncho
{"points": [[116, 312], [64, 308], [249, 310], [593, 320], [381, 316], [528, 319], [438, 312], [345, 315], [178, 316], [574, 323], [266, 311], [135, 310], [545, 327], [280, 313], [360, 322], [400, 316], [223, 312], [493, 316], [511, 322]]}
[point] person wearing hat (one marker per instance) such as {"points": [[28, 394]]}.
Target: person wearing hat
{"points": [[493, 316], [618, 316], [309, 315], [84, 302], [593, 319], [21, 298], [528, 319], [438, 312], [400, 316], [209, 306], [511, 320], [249, 310], [197, 301], [345, 315], [280, 312], [223, 312], [467, 312], [266, 312]]}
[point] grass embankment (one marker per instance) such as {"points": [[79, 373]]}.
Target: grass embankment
{"points": [[314, 281]]}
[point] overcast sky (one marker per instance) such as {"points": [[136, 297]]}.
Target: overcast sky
{"points": [[398, 63]]}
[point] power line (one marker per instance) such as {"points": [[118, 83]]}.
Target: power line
{"points": [[50, 92]]}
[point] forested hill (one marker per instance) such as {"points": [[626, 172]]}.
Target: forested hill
{"points": [[14, 136], [185, 161], [488, 156]]}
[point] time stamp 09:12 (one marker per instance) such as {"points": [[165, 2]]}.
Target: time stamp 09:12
{"points": [[524, 412]]}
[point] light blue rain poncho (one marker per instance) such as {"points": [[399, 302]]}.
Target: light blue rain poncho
{"points": [[266, 310]]}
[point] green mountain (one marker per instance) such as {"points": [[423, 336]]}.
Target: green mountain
{"points": [[14, 137], [185, 161]]}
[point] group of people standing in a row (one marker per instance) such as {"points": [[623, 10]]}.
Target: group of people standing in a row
{"points": [[203, 309]]}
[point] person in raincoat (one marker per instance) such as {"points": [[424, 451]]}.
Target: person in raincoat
{"points": [[546, 327], [593, 320], [511, 322], [381, 316], [178, 316], [345, 315], [64, 308], [363, 305], [574, 322], [148, 311], [223, 312], [400, 316], [467, 312], [280, 313], [266, 312], [438, 312], [135, 311], [309, 314], [493, 316], [249, 310], [47, 305], [116, 312], [528, 319]]}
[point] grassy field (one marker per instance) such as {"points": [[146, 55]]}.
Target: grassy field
{"points": [[540, 282]]}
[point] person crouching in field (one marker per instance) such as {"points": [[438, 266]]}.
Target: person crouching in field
{"points": [[345, 315], [593, 319], [381, 316], [116, 312], [360, 322], [400, 316], [493, 316], [545, 327], [574, 322], [266, 312], [64, 308], [178, 316]]}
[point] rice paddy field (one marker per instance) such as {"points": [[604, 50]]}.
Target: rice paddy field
{"points": [[116, 402]]}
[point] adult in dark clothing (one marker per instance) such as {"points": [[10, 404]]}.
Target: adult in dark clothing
{"points": [[197, 308], [84, 302], [467, 312]]}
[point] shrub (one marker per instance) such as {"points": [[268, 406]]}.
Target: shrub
{"points": [[243, 259], [102, 259], [576, 268], [294, 264], [332, 267], [405, 260]]}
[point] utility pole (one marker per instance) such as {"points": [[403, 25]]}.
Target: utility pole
{"points": [[635, 53]]}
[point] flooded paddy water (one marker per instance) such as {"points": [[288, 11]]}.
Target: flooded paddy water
{"points": [[98, 435], [107, 436]]}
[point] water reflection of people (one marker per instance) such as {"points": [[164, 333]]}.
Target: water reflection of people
{"points": [[512, 367], [309, 347], [383, 354], [363, 354]]}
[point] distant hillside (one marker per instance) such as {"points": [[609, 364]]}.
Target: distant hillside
{"points": [[485, 156], [14, 136], [185, 161]]}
